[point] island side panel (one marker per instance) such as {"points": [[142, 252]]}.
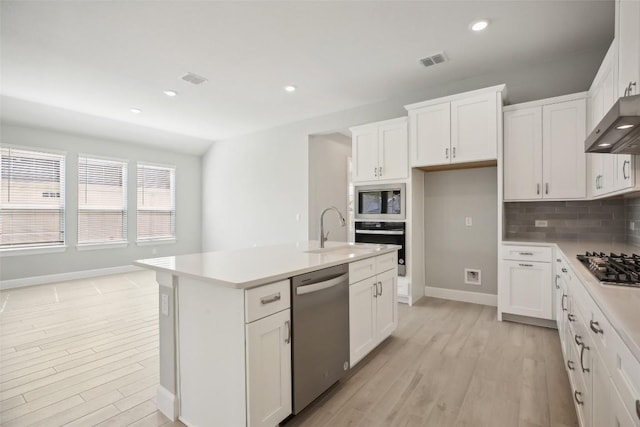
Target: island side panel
{"points": [[166, 399], [211, 354]]}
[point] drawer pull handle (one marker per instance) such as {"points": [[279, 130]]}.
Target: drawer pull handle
{"points": [[287, 340], [571, 317], [570, 365], [557, 277], [525, 265], [564, 298], [584, 347], [375, 293], [564, 270], [526, 253], [578, 340], [558, 260], [380, 292], [269, 299], [638, 408], [575, 396], [595, 327]]}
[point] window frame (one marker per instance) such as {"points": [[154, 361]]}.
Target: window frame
{"points": [[111, 244], [148, 241], [43, 247]]}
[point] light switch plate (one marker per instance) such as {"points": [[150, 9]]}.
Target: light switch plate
{"points": [[541, 223], [468, 221]]}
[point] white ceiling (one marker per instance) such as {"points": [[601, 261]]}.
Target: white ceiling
{"points": [[103, 57]]}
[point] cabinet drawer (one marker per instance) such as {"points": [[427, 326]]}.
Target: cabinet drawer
{"points": [[602, 333], [386, 262], [527, 253], [626, 377], [265, 300], [362, 269]]}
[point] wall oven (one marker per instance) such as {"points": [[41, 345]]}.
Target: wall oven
{"points": [[381, 202], [382, 232]]}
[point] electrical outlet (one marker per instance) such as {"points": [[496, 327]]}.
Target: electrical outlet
{"points": [[165, 304], [298, 217], [632, 226], [472, 276], [468, 221], [541, 223]]}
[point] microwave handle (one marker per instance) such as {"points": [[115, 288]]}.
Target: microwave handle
{"points": [[387, 232]]}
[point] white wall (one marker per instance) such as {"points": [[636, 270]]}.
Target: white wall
{"points": [[328, 183], [188, 204], [254, 185], [450, 245]]}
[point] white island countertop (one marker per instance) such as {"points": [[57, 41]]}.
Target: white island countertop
{"points": [[251, 267]]}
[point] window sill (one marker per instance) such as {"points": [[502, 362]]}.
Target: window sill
{"points": [[32, 250], [97, 246], [152, 242]]}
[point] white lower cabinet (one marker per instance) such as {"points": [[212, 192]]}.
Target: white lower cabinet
{"points": [[269, 369], [604, 375], [526, 283], [373, 308]]}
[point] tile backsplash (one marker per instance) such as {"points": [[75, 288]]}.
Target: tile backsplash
{"points": [[604, 220], [632, 210]]}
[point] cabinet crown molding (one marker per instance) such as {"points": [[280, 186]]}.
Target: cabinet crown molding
{"points": [[498, 89]]}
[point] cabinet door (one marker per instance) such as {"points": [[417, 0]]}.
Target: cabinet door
{"points": [[386, 308], [269, 369], [528, 289], [620, 417], [365, 154], [628, 36], [601, 176], [563, 158], [523, 154], [362, 318], [392, 151], [474, 129], [602, 410], [623, 171], [430, 135]]}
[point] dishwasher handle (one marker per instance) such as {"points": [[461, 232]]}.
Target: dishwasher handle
{"points": [[314, 287]]}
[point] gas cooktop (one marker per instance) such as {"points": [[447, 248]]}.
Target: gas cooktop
{"points": [[613, 269]]}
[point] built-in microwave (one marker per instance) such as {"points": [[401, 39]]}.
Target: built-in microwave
{"points": [[380, 202]]}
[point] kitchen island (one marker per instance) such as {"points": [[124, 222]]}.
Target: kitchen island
{"points": [[225, 325]]}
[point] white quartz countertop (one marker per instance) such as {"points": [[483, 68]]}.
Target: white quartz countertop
{"points": [[620, 304], [251, 267]]}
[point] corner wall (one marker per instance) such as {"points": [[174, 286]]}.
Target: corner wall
{"points": [[188, 204]]}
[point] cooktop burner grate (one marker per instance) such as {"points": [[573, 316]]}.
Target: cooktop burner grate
{"points": [[613, 269]]}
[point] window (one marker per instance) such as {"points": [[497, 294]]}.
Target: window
{"points": [[102, 201], [156, 202], [32, 198]]}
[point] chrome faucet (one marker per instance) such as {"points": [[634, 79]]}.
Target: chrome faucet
{"points": [[324, 237]]}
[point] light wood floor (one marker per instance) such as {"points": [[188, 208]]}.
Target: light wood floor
{"points": [[85, 353]]}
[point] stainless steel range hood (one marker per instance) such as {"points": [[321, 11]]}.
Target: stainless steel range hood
{"points": [[619, 130]]}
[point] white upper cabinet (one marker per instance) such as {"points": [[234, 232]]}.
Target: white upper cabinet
{"points": [[563, 158], [430, 130], [628, 37], [544, 149], [457, 129], [380, 151], [474, 129], [523, 154]]}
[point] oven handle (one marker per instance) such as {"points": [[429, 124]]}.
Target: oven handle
{"points": [[315, 287], [387, 232]]}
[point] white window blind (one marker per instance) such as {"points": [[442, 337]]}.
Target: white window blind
{"points": [[156, 202], [32, 199], [102, 201]]}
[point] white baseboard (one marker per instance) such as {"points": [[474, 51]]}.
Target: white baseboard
{"points": [[62, 277], [463, 296], [167, 403]]}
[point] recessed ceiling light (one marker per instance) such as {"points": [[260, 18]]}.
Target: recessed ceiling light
{"points": [[135, 110], [623, 127], [290, 88], [170, 93], [479, 25], [604, 144]]}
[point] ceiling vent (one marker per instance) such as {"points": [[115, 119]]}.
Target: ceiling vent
{"points": [[437, 58], [193, 78]]}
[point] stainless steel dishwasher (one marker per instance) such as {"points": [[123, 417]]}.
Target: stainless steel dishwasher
{"points": [[320, 332]]}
